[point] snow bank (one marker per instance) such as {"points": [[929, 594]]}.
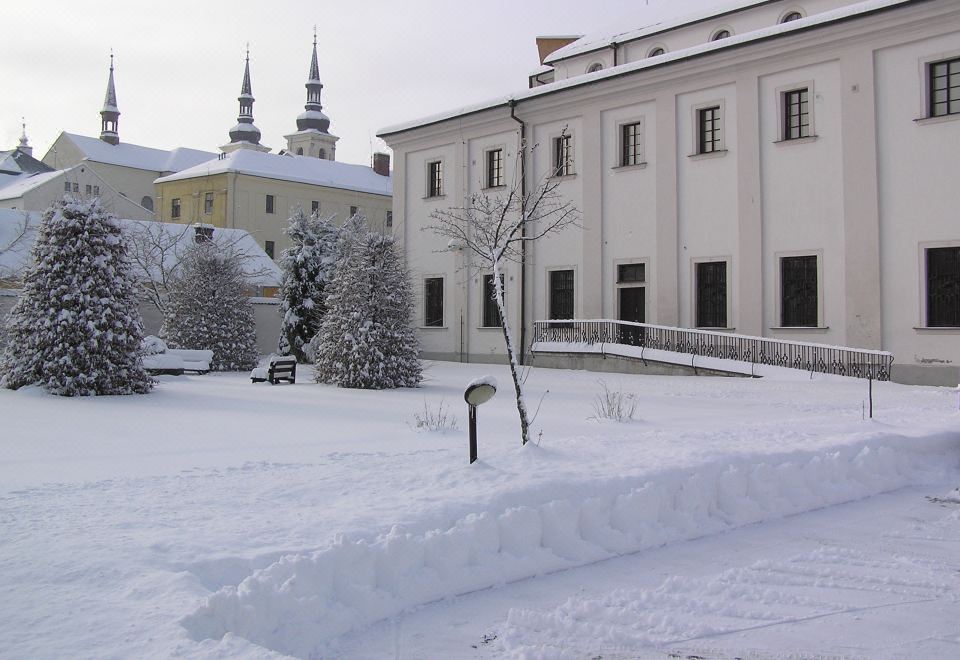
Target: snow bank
{"points": [[301, 603]]}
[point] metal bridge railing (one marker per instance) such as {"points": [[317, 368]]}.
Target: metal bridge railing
{"points": [[817, 358]]}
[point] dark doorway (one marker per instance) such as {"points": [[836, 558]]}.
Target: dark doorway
{"points": [[632, 305]]}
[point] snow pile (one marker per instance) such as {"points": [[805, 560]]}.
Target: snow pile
{"points": [[303, 602]]}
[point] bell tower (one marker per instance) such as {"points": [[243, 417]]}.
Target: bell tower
{"points": [[313, 136]]}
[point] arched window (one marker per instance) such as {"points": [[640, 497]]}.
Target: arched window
{"points": [[596, 66], [791, 16], [299, 151], [656, 51], [720, 34], [147, 202], [323, 153]]}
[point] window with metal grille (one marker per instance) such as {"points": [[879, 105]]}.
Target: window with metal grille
{"points": [[208, 203], [491, 313], [435, 179], [175, 207], [270, 203], [433, 302], [943, 287], [268, 247], [796, 114], [798, 292], [944, 87], [708, 130], [563, 155], [631, 141], [561, 294], [631, 273], [494, 168], [711, 279]]}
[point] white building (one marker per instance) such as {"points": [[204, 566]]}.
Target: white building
{"points": [[779, 168]]}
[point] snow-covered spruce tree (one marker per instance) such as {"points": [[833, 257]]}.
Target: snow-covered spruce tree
{"points": [[366, 340], [208, 308], [308, 267], [76, 327]]}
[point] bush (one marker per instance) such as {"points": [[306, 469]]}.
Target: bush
{"points": [[614, 404], [435, 421]]}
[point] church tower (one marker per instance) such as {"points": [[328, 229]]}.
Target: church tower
{"points": [[110, 114], [24, 145], [245, 135], [313, 137]]}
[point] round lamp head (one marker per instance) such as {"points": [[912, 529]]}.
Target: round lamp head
{"points": [[479, 393]]}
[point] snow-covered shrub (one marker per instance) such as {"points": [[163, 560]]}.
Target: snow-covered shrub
{"points": [[366, 339], [308, 266], [440, 420], [616, 404], [152, 345], [76, 328], [209, 308]]}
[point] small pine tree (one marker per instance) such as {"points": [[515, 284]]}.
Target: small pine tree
{"points": [[208, 308], [366, 340], [76, 328], [308, 267]]}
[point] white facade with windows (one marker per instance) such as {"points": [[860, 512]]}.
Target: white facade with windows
{"points": [[795, 180]]}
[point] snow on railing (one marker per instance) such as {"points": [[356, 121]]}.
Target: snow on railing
{"points": [[817, 358]]}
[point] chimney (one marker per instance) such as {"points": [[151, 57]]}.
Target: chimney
{"points": [[381, 163]]}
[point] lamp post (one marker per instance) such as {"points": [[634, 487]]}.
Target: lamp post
{"points": [[478, 392]]}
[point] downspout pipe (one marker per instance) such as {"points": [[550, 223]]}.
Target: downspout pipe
{"points": [[523, 244], [614, 47]]}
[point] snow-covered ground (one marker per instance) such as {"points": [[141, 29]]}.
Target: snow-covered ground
{"points": [[217, 518]]}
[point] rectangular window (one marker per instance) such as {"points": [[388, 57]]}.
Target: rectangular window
{"points": [[796, 114], [491, 313], [314, 207], [561, 294], [354, 210], [631, 273], [269, 204], [88, 189], [66, 186], [203, 234], [798, 292], [76, 188], [708, 130], [175, 207], [563, 155], [944, 87], [711, 286], [268, 247], [389, 222], [494, 168], [435, 179], [631, 140], [208, 203], [433, 302], [943, 287], [96, 193]]}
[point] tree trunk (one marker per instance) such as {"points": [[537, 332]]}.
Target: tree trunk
{"points": [[511, 354]]}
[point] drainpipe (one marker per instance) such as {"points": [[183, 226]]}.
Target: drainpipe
{"points": [[523, 244], [614, 47]]}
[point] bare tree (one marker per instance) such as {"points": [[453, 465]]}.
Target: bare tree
{"points": [[14, 244], [494, 228]]}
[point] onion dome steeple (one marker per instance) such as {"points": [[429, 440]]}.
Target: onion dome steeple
{"points": [[245, 131], [313, 118], [110, 114], [24, 145]]}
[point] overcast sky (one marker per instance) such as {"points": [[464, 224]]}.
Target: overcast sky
{"points": [[179, 64]]}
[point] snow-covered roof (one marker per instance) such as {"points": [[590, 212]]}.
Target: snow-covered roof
{"points": [[259, 269], [288, 167], [16, 161], [824, 18], [12, 187], [136, 156]]}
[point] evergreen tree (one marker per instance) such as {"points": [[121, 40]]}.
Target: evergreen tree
{"points": [[208, 308], [76, 328], [308, 267], [366, 340]]}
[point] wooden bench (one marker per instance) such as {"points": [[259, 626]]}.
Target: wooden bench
{"points": [[281, 368]]}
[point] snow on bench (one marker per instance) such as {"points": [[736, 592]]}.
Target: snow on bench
{"points": [[280, 368]]}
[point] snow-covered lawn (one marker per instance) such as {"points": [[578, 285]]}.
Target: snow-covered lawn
{"points": [[215, 517]]}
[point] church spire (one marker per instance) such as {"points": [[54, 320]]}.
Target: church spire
{"points": [[24, 145], [313, 118], [245, 134], [110, 114]]}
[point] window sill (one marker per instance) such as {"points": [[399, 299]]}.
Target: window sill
{"points": [[709, 154], [429, 197], [800, 328], [490, 327], [564, 176], [935, 330], [434, 327], [924, 121], [500, 187], [635, 166], [802, 140]]}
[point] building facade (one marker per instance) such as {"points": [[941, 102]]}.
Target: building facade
{"points": [[777, 169]]}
